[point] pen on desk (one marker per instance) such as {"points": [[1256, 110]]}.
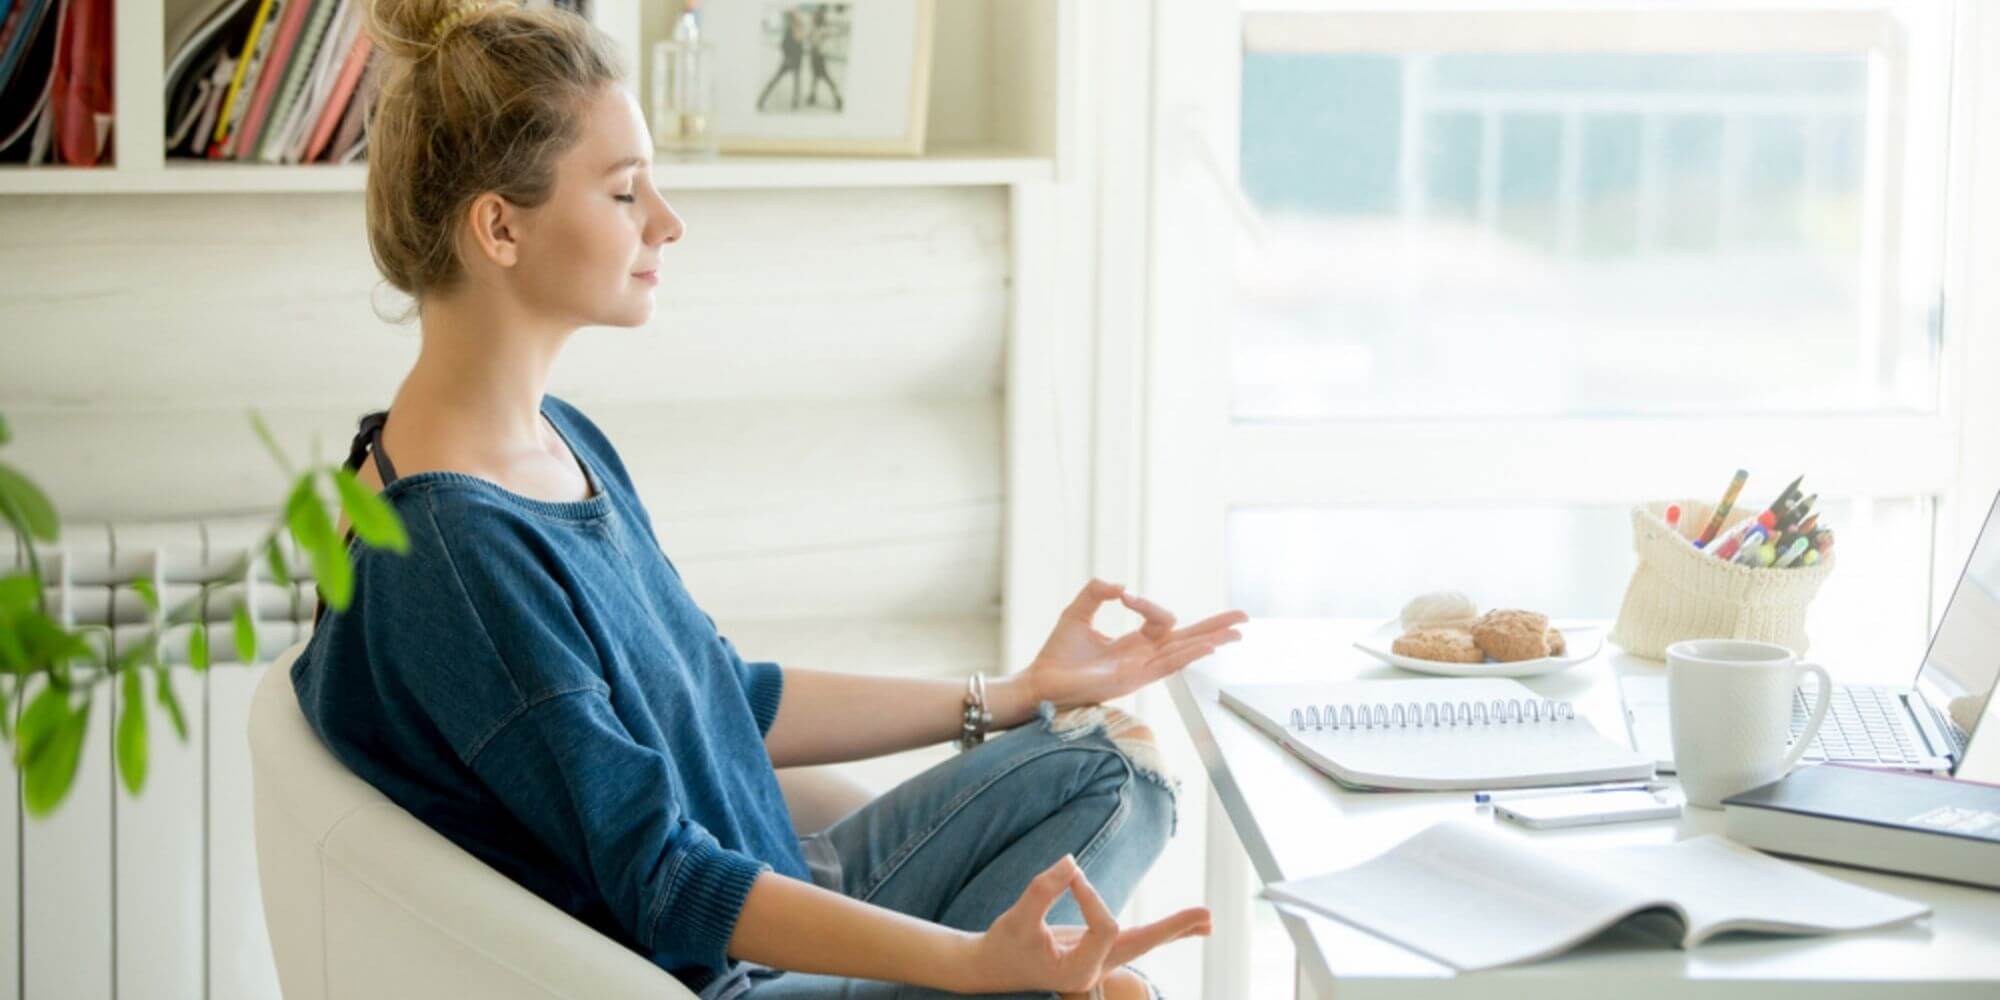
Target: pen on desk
{"points": [[1722, 509], [1510, 794]]}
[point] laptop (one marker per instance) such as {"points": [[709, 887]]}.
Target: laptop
{"points": [[1924, 726]]}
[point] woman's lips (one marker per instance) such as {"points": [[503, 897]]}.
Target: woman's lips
{"points": [[650, 277]]}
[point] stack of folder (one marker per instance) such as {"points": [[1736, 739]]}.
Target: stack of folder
{"points": [[269, 81], [55, 81]]}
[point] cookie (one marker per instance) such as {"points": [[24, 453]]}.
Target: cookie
{"points": [[1510, 635], [1558, 646], [1446, 645]]}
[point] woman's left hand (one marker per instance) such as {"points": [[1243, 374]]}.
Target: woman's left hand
{"points": [[1080, 665]]}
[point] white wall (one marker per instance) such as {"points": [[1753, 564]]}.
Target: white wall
{"points": [[813, 417]]}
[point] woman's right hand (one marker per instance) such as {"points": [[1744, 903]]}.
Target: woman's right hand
{"points": [[1021, 952]]}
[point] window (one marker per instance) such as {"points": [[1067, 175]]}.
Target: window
{"points": [[1441, 290], [1575, 214]]}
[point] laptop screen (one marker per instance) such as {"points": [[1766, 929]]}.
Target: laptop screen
{"points": [[1964, 659]]}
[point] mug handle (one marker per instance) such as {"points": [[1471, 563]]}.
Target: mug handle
{"points": [[1818, 715]]}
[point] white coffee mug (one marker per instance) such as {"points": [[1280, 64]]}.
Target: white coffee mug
{"points": [[1730, 705]]}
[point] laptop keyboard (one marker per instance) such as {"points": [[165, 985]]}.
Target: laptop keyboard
{"points": [[1864, 723]]}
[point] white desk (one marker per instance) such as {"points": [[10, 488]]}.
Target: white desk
{"points": [[1295, 822]]}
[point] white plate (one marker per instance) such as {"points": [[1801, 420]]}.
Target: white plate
{"points": [[1583, 642]]}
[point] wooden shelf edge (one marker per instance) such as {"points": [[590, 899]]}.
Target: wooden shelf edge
{"points": [[941, 169]]}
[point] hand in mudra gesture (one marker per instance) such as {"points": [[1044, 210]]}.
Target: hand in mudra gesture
{"points": [[1021, 952], [1080, 665]]}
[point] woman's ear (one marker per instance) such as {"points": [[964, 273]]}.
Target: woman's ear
{"points": [[494, 225]]}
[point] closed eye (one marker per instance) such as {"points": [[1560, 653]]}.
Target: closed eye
{"points": [[627, 198]]}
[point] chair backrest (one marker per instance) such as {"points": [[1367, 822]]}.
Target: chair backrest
{"points": [[363, 900]]}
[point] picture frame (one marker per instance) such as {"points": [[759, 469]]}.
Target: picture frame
{"points": [[847, 78]]}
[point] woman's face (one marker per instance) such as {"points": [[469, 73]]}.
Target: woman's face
{"points": [[591, 253]]}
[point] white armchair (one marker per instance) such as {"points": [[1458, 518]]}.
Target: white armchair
{"points": [[363, 900]]}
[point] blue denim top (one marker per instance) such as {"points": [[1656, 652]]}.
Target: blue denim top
{"points": [[534, 682]]}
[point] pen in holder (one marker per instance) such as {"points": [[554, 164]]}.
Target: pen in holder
{"points": [[1680, 592]]}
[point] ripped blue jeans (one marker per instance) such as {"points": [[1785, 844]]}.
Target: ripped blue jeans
{"points": [[958, 843]]}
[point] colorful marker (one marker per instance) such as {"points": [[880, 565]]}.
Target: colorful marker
{"points": [[1792, 553], [1674, 516], [1778, 506], [1722, 510], [1793, 515], [1737, 542]]}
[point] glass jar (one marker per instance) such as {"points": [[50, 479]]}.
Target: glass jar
{"points": [[683, 105]]}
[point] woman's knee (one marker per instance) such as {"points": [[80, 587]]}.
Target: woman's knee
{"points": [[1136, 746]]}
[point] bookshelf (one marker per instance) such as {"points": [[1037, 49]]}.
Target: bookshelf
{"points": [[997, 112]]}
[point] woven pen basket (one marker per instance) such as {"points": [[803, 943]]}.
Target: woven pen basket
{"points": [[1680, 592]]}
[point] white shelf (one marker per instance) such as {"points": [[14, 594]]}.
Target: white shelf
{"points": [[179, 178], [942, 168], [979, 135], [970, 166]]}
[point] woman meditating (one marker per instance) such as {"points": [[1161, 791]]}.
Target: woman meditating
{"points": [[533, 680]]}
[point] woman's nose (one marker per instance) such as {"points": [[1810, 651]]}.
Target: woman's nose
{"points": [[664, 225]]}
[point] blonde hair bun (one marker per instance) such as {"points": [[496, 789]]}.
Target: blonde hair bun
{"points": [[472, 97]]}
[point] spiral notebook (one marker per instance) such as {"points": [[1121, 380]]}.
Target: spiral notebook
{"points": [[1435, 735]]}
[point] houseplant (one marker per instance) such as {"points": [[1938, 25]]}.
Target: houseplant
{"points": [[47, 732]]}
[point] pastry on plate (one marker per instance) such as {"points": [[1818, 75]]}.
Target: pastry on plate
{"points": [[1440, 609], [1558, 646], [1511, 635], [1446, 645]]}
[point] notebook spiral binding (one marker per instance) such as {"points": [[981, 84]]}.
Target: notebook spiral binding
{"points": [[1399, 715]]}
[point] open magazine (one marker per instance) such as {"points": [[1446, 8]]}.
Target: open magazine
{"points": [[1475, 897]]}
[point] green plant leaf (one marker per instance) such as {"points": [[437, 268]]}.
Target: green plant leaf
{"points": [[51, 772], [48, 644], [198, 646], [13, 655], [246, 636], [374, 521], [139, 653], [132, 733], [25, 499], [147, 593], [172, 703], [18, 592], [43, 716], [270, 441], [5, 434], [275, 555], [306, 515]]}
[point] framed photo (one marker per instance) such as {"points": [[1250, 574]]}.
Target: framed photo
{"points": [[793, 77]]}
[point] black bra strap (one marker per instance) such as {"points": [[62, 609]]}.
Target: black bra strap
{"points": [[367, 439]]}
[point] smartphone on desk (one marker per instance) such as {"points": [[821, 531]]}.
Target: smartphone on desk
{"points": [[1588, 808]]}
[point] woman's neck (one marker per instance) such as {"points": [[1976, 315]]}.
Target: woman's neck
{"points": [[479, 372]]}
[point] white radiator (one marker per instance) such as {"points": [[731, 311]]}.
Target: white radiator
{"points": [[154, 896]]}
